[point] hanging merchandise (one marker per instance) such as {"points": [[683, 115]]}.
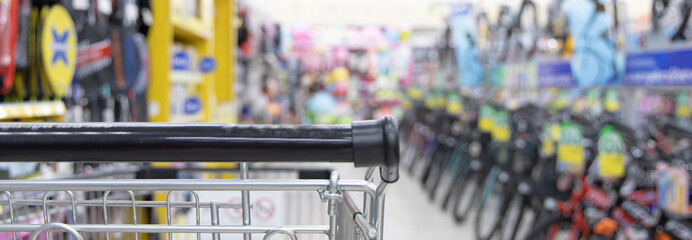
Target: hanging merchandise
{"points": [[465, 35], [58, 49], [557, 40], [671, 19], [95, 63], [145, 19], [522, 33], [125, 54], [139, 94], [9, 13], [597, 60], [673, 188], [19, 90]]}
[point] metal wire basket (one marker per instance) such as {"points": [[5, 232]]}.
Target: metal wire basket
{"points": [[369, 143]]}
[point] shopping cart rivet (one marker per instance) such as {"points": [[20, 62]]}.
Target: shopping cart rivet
{"points": [[372, 233]]}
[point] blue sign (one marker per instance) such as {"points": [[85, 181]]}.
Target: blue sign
{"points": [[462, 9], [664, 68], [181, 61], [207, 64], [555, 74], [192, 105]]}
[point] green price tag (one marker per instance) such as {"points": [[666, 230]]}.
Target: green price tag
{"points": [[547, 141], [611, 153], [682, 105], [570, 152], [485, 118], [501, 131], [454, 105], [612, 101]]}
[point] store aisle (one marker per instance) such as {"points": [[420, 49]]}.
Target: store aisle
{"points": [[409, 215]]}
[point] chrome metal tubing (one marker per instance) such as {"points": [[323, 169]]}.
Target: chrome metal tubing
{"points": [[155, 228], [358, 217], [184, 185], [214, 209], [379, 207], [245, 200], [331, 207], [117, 203]]}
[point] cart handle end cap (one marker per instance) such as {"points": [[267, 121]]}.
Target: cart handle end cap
{"points": [[376, 144]]}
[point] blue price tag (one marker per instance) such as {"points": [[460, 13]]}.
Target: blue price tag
{"points": [[192, 105], [181, 61], [207, 64]]}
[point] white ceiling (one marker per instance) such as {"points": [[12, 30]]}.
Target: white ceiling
{"points": [[412, 13], [428, 14]]}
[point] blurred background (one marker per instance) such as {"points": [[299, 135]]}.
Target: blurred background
{"points": [[337, 61]]}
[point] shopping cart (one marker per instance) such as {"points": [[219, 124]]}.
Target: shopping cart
{"points": [[369, 144]]}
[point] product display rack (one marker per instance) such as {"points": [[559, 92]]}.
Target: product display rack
{"points": [[211, 35], [27, 111]]}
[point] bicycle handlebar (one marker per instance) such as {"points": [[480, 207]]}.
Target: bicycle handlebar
{"points": [[365, 143]]}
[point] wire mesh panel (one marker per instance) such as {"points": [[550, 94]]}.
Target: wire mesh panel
{"points": [[207, 223], [267, 204]]}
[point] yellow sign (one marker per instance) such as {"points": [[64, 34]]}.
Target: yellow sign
{"points": [[485, 120], [415, 93], [455, 108], [555, 130], [611, 164], [501, 131], [501, 134], [611, 153], [683, 111], [59, 49], [571, 154], [548, 148]]}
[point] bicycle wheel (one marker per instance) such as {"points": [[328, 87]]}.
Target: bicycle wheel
{"points": [[492, 208], [527, 219], [467, 197], [438, 172], [550, 228], [456, 170], [434, 173], [512, 217]]}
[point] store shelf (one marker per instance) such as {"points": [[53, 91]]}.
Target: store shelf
{"points": [[11, 111], [187, 118], [190, 29], [186, 77]]}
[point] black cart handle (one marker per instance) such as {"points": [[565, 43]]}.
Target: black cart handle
{"points": [[372, 143]]}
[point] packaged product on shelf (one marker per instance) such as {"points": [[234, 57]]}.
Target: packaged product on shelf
{"points": [[9, 11]]}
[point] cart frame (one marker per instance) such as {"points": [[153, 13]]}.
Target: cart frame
{"points": [[373, 144]]}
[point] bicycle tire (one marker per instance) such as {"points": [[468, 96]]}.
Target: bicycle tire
{"points": [[467, 197], [512, 217], [456, 169], [541, 228], [436, 174], [529, 215], [493, 205]]}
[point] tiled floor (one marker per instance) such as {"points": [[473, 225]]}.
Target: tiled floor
{"points": [[409, 215]]}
